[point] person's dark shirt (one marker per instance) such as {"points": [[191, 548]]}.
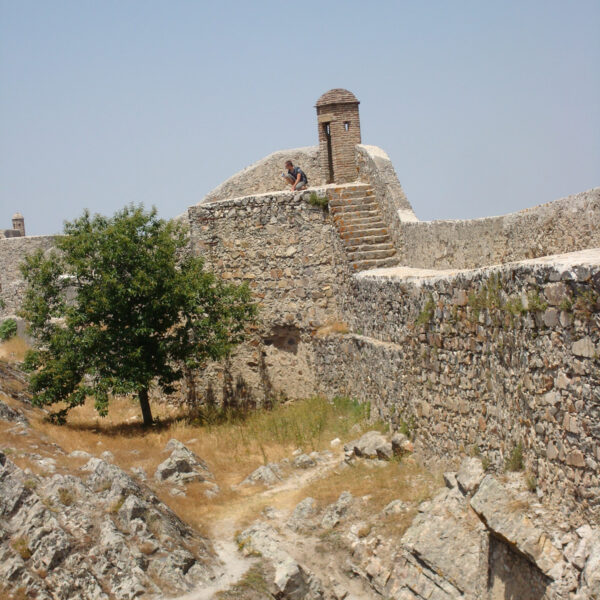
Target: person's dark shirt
{"points": [[294, 173]]}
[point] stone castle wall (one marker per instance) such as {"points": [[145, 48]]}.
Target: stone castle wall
{"points": [[565, 225], [12, 252], [290, 255], [481, 361]]}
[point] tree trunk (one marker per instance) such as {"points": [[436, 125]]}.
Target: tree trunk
{"points": [[145, 404]]}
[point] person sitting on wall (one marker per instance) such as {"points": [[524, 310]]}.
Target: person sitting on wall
{"points": [[295, 176]]}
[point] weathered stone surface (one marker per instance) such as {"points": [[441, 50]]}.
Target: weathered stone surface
{"points": [[336, 511], [10, 414], [72, 532], [264, 475], [498, 507], [446, 536], [372, 444], [469, 475], [304, 462], [584, 347], [182, 465], [301, 518], [292, 581]]}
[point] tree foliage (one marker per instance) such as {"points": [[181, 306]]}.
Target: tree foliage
{"points": [[119, 305]]}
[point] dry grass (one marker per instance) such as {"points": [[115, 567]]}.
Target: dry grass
{"points": [[13, 350], [377, 485]]}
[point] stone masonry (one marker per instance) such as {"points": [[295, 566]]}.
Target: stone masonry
{"points": [[339, 132]]}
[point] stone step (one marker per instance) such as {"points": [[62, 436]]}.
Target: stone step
{"points": [[364, 265], [358, 215], [358, 201], [350, 191], [379, 243], [352, 235], [367, 240], [371, 254], [357, 220], [358, 228], [364, 204]]}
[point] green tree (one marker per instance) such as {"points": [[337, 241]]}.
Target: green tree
{"points": [[118, 305]]}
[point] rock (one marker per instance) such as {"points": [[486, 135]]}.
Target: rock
{"points": [[10, 414], [336, 511], [470, 474], [303, 511], [80, 454], [335, 442], [108, 456], [401, 444], [139, 473], [182, 466], [291, 580], [372, 444], [450, 480], [441, 551], [591, 572], [304, 462], [395, 507], [264, 475], [584, 348], [496, 505]]}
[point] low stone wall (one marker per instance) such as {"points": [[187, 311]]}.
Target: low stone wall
{"points": [[265, 175], [566, 225], [482, 361], [375, 168], [290, 254], [12, 254]]}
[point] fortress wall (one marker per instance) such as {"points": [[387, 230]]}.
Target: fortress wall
{"points": [[265, 175], [478, 361], [566, 225], [12, 254], [290, 254]]}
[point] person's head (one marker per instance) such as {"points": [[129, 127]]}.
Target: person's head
{"points": [[289, 165]]}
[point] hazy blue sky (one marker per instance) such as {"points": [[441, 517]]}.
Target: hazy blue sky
{"points": [[485, 107]]}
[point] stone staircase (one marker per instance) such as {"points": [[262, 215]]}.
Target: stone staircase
{"points": [[360, 224]]}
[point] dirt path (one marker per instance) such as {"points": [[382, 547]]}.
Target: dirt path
{"points": [[306, 549]]}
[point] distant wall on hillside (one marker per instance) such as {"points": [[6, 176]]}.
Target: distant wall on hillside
{"points": [[12, 252]]}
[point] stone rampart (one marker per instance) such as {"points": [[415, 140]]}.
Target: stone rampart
{"points": [[265, 175], [565, 225], [291, 256], [12, 252], [483, 361]]}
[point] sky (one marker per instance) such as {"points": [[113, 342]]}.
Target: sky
{"points": [[484, 108]]}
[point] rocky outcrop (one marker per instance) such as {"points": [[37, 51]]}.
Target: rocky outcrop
{"points": [[72, 537]]}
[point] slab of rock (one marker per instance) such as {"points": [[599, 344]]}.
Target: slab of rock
{"points": [[182, 466], [304, 461], [401, 444], [301, 517], [500, 510], [292, 581], [336, 511], [470, 474], [372, 444], [442, 549], [10, 414], [264, 475]]}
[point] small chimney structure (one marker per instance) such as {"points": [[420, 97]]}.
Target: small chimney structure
{"points": [[339, 132], [18, 224]]}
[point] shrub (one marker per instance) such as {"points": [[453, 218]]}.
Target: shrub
{"points": [[514, 461], [321, 201], [8, 329], [21, 546]]}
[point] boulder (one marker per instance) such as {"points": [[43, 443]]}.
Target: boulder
{"points": [[304, 461], [372, 444], [336, 511], [182, 466], [264, 475]]}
